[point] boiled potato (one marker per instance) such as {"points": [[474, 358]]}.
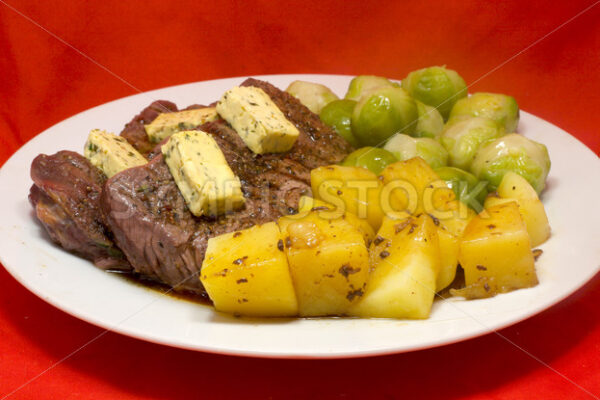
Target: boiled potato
{"points": [[448, 257], [352, 189], [328, 260], [247, 273], [413, 186], [496, 247], [515, 187], [326, 210], [405, 262], [453, 215]]}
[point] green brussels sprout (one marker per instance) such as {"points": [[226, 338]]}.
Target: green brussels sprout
{"points": [[405, 147], [462, 139], [381, 113], [501, 108], [430, 123], [363, 83], [313, 95], [371, 158], [437, 87], [338, 114], [467, 188], [516, 153]]}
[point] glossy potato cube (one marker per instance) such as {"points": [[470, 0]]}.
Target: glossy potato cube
{"points": [[247, 273], [353, 189], [329, 263], [496, 245], [326, 210], [405, 262], [515, 187]]}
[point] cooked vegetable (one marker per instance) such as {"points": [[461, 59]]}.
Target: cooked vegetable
{"points": [[412, 186], [430, 123], [514, 153], [462, 139], [495, 252], [350, 189], [381, 113], [363, 83], [246, 273], [405, 260], [328, 211], [499, 107], [372, 158], [467, 188], [448, 243], [438, 87], [515, 188], [404, 147], [338, 114], [313, 95], [329, 263]]}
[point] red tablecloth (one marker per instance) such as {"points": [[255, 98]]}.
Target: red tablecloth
{"points": [[59, 58]]}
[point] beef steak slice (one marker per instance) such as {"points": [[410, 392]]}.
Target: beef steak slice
{"points": [[165, 242], [66, 199]]}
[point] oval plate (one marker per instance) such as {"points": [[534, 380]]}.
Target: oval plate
{"points": [[74, 285]]}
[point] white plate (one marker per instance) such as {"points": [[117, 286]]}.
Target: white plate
{"points": [[571, 257]]}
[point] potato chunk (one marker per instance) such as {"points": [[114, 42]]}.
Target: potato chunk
{"points": [[496, 245], [326, 210], [405, 262], [329, 263], [448, 257], [246, 273], [413, 186], [514, 187], [353, 189]]}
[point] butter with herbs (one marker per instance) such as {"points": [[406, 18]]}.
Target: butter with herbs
{"points": [[202, 174], [258, 121]]}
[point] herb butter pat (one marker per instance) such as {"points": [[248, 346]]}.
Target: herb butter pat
{"points": [[167, 124], [258, 121], [111, 153], [202, 174]]}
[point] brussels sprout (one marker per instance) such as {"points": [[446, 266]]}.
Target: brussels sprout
{"points": [[363, 83], [516, 153], [462, 139], [338, 114], [501, 108], [405, 147], [381, 113], [313, 95], [467, 188], [371, 158], [437, 87], [430, 123]]}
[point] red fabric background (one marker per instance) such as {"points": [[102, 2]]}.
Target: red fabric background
{"points": [[152, 44]]}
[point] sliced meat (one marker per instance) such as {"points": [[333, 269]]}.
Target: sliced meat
{"points": [[66, 199], [163, 240]]}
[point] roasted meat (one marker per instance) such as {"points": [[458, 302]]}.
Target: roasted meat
{"points": [[66, 199]]}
